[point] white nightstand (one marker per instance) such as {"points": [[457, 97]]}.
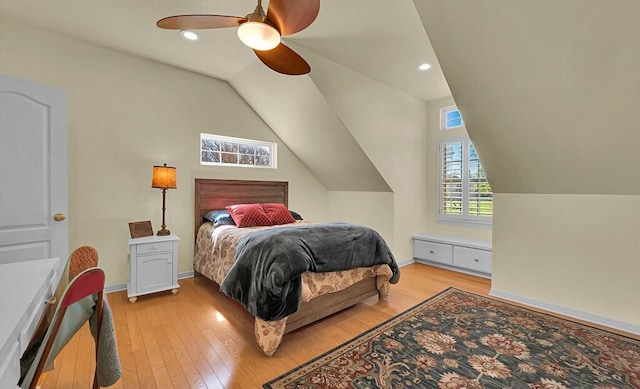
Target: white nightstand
{"points": [[153, 264]]}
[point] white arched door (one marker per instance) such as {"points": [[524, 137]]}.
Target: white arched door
{"points": [[33, 171]]}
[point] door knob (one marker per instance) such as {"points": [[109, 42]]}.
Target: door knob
{"points": [[59, 217]]}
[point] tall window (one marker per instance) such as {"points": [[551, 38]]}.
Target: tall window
{"points": [[224, 150], [464, 192]]}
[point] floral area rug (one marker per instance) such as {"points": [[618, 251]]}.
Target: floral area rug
{"points": [[462, 340]]}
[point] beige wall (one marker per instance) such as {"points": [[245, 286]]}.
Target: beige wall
{"points": [[574, 251], [434, 134], [342, 123], [390, 127], [372, 209], [550, 101], [126, 114], [300, 115]]}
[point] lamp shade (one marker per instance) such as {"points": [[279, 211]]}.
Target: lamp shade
{"points": [[164, 177], [258, 35]]}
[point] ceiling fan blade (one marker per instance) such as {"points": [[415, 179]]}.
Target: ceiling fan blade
{"points": [[196, 22], [284, 60], [291, 16]]}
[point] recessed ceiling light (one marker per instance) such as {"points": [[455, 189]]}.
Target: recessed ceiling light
{"points": [[189, 35], [424, 66]]}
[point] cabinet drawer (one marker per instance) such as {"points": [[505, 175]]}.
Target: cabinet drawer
{"points": [[154, 247], [472, 259], [29, 329], [436, 252], [10, 367], [35, 311]]}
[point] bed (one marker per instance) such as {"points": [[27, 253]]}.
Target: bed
{"points": [[322, 293]]}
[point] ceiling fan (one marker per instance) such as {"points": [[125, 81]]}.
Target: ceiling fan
{"points": [[261, 32]]}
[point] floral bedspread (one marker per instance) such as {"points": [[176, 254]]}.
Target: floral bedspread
{"points": [[215, 254]]}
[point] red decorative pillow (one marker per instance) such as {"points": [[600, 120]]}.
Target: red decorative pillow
{"points": [[248, 215], [278, 213]]}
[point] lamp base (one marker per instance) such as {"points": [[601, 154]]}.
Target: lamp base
{"points": [[163, 232]]}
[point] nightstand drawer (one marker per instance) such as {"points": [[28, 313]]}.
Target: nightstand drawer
{"points": [[472, 259], [436, 252], [155, 247]]}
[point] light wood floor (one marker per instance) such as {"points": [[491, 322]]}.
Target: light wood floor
{"points": [[202, 339]]}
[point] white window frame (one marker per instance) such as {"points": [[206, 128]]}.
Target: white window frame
{"points": [[464, 217], [240, 142], [443, 117]]}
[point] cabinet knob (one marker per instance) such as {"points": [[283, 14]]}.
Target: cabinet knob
{"points": [[430, 251], [476, 260]]}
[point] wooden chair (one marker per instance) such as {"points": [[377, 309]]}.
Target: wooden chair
{"points": [[81, 259], [84, 285]]}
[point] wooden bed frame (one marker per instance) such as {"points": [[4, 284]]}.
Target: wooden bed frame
{"points": [[212, 194]]}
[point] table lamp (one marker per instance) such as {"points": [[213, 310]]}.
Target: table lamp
{"points": [[164, 177]]}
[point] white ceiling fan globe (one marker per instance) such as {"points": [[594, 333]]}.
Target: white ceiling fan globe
{"points": [[258, 35]]}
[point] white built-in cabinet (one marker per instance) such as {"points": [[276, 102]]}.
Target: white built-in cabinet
{"points": [[464, 255]]}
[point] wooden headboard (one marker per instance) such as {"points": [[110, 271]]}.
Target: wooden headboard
{"points": [[214, 194]]}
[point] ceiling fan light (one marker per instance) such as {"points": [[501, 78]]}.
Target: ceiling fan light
{"points": [[258, 35]]}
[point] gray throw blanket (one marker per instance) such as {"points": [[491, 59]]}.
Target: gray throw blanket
{"points": [[108, 367], [265, 277]]}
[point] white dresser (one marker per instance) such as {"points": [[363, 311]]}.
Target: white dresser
{"points": [[464, 255], [25, 287], [153, 266]]}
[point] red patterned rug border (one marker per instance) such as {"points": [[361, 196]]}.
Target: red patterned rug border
{"points": [[365, 336]]}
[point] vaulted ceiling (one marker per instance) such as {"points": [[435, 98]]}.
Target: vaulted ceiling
{"points": [[380, 39], [548, 89], [383, 41]]}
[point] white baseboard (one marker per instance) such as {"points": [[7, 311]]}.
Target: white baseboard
{"points": [[187, 274], [119, 287], [573, 313], [405, 262], [115, 288]]}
